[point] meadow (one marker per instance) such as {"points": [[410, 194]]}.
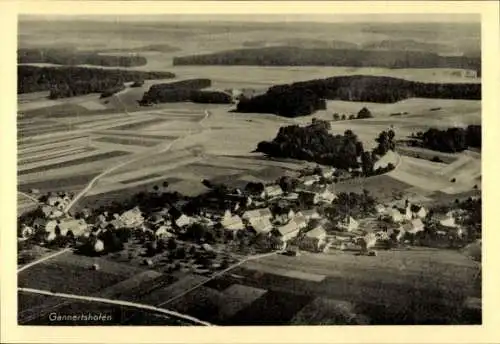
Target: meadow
{"points": [[415, 286]]}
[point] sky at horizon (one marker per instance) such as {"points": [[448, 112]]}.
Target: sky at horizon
{"points": [[320, 18]]}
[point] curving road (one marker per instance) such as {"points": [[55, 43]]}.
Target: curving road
{"points": [[119, 303], [142, 155]]}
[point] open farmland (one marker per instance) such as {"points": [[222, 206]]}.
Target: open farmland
{"points": [[334, 289], [216, 147], [344, 288]]}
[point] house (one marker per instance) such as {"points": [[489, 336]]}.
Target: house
{"points": [[380, 209], [395, 215], [314, 239], [232, 223], [310, 180], [288, 231], [326, 196], [272, 191], [183, 221], [260, 224], [98, 246], [368, 241], [348, 224], [447, 221], [257, 213], [52, 212], [308, 198], [292, 196], [311, 214], [327, 172], [300, 220], [64, 227], [414, 226], [418, 211], [131, 218], [163, 232]]}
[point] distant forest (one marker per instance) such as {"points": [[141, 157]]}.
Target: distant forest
{"points": [[70, 56], [184, 91], [73, 81], [450, 140], [294, 56], [304, 98]]}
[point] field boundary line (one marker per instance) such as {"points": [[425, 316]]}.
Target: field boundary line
{"points": [[116, 302], [41, 260], [218, 274]]}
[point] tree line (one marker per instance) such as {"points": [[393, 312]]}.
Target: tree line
{"points": [[450, 140], [304, 98], [69, 56], [185, 91], [72, 81], [296, 56]]}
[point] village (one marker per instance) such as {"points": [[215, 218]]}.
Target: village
{"points": [[207, 233]]}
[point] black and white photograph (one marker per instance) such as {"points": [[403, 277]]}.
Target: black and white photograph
{"points": [[249, 169]]}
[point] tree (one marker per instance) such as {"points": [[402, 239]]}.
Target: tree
{"points": [[364, 113], [343, 117], [383, 143], [171, 244], [351, 117], [336, 116], [367, 163], [151, 248]]}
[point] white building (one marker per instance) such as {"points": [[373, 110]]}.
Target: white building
{"points": [[233, 223], [348, 224], [288, 231], [272, 191], [314, 239], [257, 213], [131, 218]]}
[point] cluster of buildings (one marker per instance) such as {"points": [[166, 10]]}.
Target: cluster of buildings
{"points": [[288, 218]]}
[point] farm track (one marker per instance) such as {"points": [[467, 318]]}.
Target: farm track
{"points": [[118, 303], [218, 274]]}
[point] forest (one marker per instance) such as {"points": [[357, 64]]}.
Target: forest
{"points": [[314, 143], [450, 140], [184, 91], [72, 81], [286, 102], [70, 56], [306, 97], [295, 56]]}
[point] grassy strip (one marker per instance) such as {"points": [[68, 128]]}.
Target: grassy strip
{"points": [[126, 141], [102, 156]]}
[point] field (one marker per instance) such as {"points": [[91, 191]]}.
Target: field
{"points": [[411, 287], [186, 143]]}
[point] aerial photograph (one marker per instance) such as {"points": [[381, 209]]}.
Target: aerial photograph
{"points": [[249, 170]]}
